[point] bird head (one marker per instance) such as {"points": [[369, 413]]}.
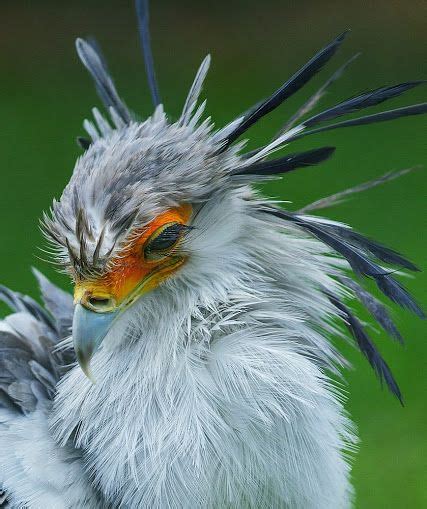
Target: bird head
{"points": [[130, 218]]}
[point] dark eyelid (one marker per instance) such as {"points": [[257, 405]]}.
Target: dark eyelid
{"points": [[169, 237]]}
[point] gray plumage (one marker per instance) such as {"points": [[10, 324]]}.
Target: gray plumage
{"points": [[213, 384], [30, 366], [104, 84]]}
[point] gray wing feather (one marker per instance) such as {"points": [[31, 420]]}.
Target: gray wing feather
{"points": [[57, 302], [30, 365]]}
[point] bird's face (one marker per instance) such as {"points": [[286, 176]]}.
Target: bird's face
{"points": [[123, 225], [153, 254]]}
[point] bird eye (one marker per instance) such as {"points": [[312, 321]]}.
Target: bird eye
{"points": [[163, 240]]}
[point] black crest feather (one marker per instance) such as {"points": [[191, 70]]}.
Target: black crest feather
{"points": [[374, 306], [288, 163], [365, 100], [384, 116], [357, 256], [143, 14], [317, 96], [383, 253], [398, 294], [368, 348], [297, 81]]}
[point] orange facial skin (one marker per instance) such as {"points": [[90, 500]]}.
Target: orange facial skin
{"points": [[130, 269]]}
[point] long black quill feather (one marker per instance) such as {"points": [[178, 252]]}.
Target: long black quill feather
{"points": [[287, 163], [374, 306], [384, 116], [360, 263], [383, 253], [316, 97], [142, 11], [368, 348], [398, 294], [298, 80], [366, 100]]}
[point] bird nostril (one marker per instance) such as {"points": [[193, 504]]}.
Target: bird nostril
{"points": [[101, 304]]}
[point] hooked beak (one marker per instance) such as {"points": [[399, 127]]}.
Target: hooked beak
{"points": [[89, 329]]}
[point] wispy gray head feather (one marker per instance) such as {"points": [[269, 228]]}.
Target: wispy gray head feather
{"points": [[129, 175], [103, 81]]}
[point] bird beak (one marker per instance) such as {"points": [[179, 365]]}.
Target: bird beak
{"points": [[89, 330]]}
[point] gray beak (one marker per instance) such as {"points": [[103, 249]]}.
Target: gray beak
{"points": [[89, 330]]}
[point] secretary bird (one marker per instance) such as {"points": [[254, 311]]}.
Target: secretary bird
{"points": [[196, 365]]}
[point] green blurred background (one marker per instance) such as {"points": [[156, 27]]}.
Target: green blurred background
{"points": [[45, 94]]}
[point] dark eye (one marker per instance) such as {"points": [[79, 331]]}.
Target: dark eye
{"points": [[163, 241]]}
